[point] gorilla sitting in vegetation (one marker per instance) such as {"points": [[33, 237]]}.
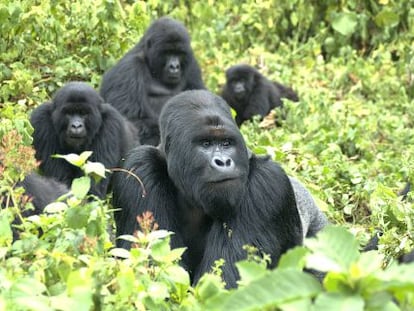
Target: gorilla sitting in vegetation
{"points": [[160, 66], [205, 185], [249, 93], [40, 191], [78, 120]]}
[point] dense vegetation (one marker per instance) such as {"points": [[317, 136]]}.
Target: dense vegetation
{"points": [[350, 139]]}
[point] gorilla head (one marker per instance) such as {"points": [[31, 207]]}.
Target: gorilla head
{"points": [[207, 157], [166, 50], [76, 115], [240, 80]]}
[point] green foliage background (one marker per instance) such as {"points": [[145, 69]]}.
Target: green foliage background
{"points": [[350, 139]]}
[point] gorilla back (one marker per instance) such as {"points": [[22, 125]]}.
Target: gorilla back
{"points": [[203, 184], [160, 66]]}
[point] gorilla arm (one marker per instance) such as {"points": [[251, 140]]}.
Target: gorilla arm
{"points": [[194, 79], [110, 144], [123, 88], [312, 218], [158, 195], [46, 143], [259, 103]]}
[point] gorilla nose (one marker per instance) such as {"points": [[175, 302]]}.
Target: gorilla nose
{"points": [[222, 163], [175, 66], [77, 125]]}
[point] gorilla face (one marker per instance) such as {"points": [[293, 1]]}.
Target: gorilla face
{"points": [[173, 69], [167, 51], [240, 81], [206, 155], [76, 115]]}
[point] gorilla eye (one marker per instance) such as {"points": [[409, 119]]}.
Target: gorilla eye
{"points": [[206, 143], [226, 143]]}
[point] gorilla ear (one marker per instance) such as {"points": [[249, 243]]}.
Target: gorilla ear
{"points": [[164, 146], [249, 153], [148, 43]]}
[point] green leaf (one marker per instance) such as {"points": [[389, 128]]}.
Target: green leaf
{"points": [[126, 281], [55, 207], [209, 286], [95, 168], [158, 291], [250, 271], [81, 186], [6, 234], [302, 304], [160, 249], [33, 303], [80, 287], [158, 234], [274, 289], [345, 23], [178, 275], [339, 302], [27, 287], [74, 159], [293, 258], [120, 252], [333, 249], [129, 238], [77, 217], [174, 255], [387, 18]]}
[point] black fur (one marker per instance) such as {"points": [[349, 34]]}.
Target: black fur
{"points": [[249, 93], [407, 258], [41, 192], [78, 120], [203, 184], [160, 66]]}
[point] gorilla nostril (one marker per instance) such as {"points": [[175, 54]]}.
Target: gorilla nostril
{"points": [[218, 162], [223, 162], [77, 125]]}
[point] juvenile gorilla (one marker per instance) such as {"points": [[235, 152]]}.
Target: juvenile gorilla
{"points": [[203, 184], [249, 93], [160, 66], [78, 120]]}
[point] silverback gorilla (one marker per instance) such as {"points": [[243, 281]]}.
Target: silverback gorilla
{"points": [[77, 120], [160, 66], [205, 185], [249, 93]]}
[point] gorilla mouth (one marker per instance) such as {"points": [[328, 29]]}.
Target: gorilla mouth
{"points": [[239, 94], [174, 76], [76, 137], [223, 179], [75, 140]]}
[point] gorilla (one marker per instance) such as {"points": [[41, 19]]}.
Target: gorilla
{"points": [[203, 183], [41, 191], [160, 66], [249, 93], [77, 120], [407, 258]]}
